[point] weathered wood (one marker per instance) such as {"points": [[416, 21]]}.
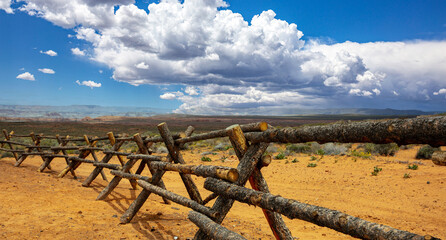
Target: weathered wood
{"points": [[117, 153], [187, 133], [64, 148], [82, 160], [225, 173], [260, 126], [14, 143], [439, 158], [7, 137], [245, 167], [74, 164], [98, 169], [143, 149], [178, 199], [176, 156], [325, 217], [112, 139], [57, 156], [104, 177], [11, 150], [265, 161], [140, 200], [257, 182], [37, 153], [159, 138], [83, 148], [209, 198], [145, 157], [420, 130], [212, 229], [115, 181], [130, 176], [107, 165]]}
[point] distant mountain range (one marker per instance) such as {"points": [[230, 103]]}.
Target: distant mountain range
{"points": [[93, 111], [75, 111]]}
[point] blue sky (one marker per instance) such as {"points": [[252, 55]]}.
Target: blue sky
{"points": [[215, 57]]}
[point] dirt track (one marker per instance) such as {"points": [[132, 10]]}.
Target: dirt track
{"points": [[37, 205]]}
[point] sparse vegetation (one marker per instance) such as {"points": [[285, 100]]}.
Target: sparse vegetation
{"points": [[312, 165], [380, 149], [407, 175], [206, 159], [360, 154], [425, 152], [280, 156], [413, 167], [295, 161], [7, 155], [376, 170]]}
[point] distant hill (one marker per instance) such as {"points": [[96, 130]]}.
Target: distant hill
{"points": [[94, 111], [75, 111]]}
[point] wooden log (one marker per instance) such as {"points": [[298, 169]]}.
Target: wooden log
{"points": [[115, 181], [37, 153], [159, 138], [324, 217], [107, 165], [64, 148], [117, 153], [178, 199], [187, 133], [212, 229], [130, 176], [14, 143], [104, 177], [225, 173], [245, 167], [11, 150], [260, 126], [209, 198], [140, 200], [112, 139], [143, 149], [57, 156], [98, 169], [91, 149], [82, 160], [74, 164], [420, 130], [7, 137], [39, 148], [439, 158], [257, 182], [265, 161], [145, 157], [175, 155], [64, 142]]}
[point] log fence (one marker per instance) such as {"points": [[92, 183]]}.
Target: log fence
{"points": [[227, 184]]}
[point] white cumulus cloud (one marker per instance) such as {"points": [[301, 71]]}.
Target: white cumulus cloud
{"points": [[89, 83], [47, 70], [6, 5], [78, 52], [26, 76], [441, 91], [228, 59], [49, 53]]}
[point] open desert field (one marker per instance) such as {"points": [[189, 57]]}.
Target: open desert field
{"points": [[37, 205]]}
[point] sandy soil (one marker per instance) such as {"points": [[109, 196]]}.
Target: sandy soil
{"points": [[37, 205]]}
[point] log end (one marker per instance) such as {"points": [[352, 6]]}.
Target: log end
{"points": [[232, 175], [266, 161], [263, 126]]}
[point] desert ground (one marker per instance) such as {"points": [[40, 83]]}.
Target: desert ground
{"points": [[37, 205]]}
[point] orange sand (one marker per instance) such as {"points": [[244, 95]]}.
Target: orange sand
{"points": [[37, 205]]}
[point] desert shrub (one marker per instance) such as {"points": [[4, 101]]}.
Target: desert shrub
{"points": [[380, 149], [314, 146], [425, 152], [376, 170], [360, 154], [413, 167], [272, 149], [312, 165], [295, 161], [206, 159], [222, 146], [407, 175], [7, 155], [49, 142], [161, 149], [280, 156], [334, 149], [299, 148]]}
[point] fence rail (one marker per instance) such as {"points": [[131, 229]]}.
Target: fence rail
{"points": [[227, 184]]}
